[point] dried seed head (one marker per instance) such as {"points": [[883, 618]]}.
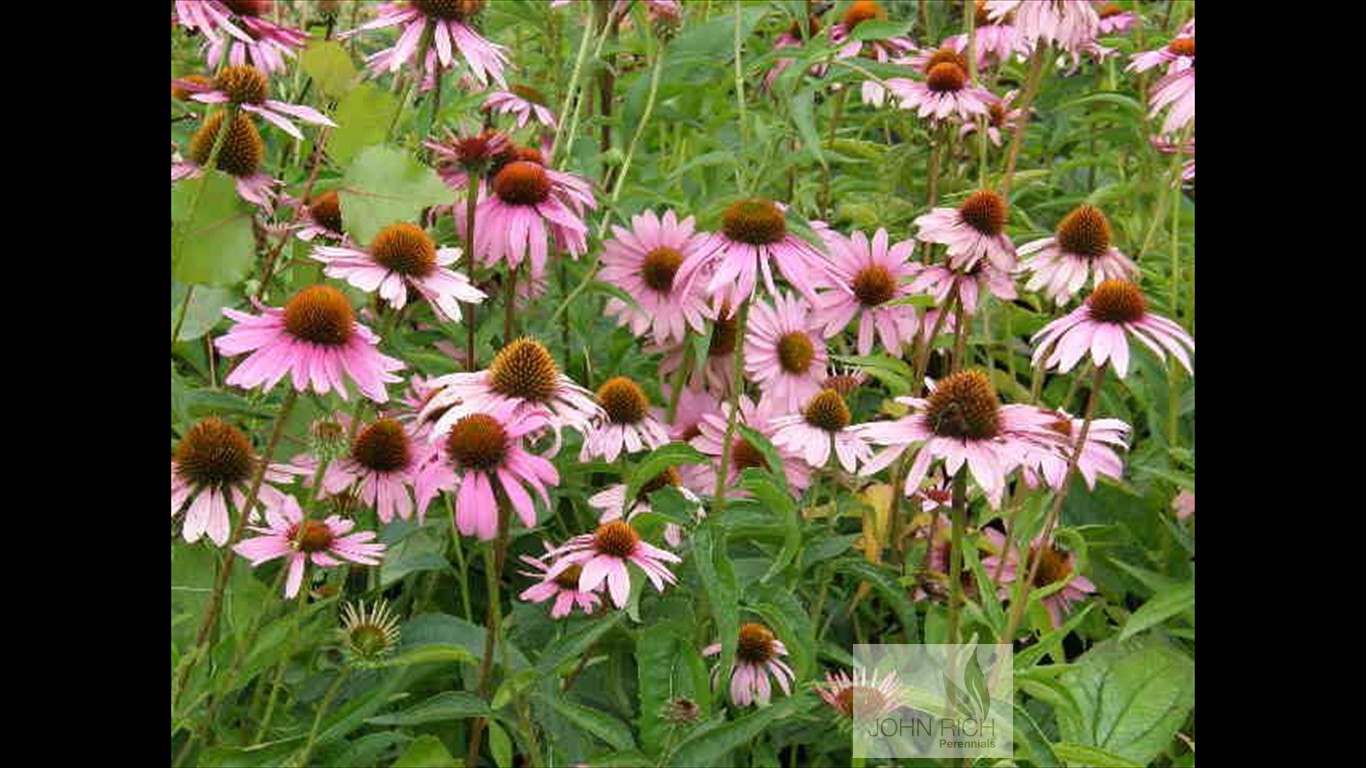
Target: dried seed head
{"points": [[242, 147], [243, 85]]}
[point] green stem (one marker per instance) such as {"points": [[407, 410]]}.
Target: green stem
{"points": [[569, 94], [180, 316], [275, 684], [740, 100], [1031, 90], [322, 710], [573, 128], [471, 202], [960, 522], [737, 385], [620, 179], [460, 561], [493, 567]]}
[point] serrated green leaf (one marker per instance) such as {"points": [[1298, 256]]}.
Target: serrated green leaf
{"points": [[660, 459]]}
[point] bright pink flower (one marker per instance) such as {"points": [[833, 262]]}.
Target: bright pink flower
{"points": [[319, 217], [250, 38], [604, 554], [1102, 325], [315, 338], [973, 231], [450, 35], [711, 436], [530, 204], [524, 374], [1069, 24], [1002, 118], [962, 422], [523, 103], [939, 281], [753, 233], [403, 257], [945, 92], [644, 262], [1081, 246], [458, 156], [1098, 456], [563, 587], [214, 461], [822, 423], [1176, 90], [784, 352], [247, 88], [1055, 566], [384, 465], [857, 12], [693, 404], [325, 542], [626, 425], [756, 657], [486, 448], [996, 42], [871, 275]]}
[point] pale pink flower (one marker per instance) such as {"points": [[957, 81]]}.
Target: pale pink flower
{"points": [[1102, 326], [450, 35], [1081, 246], [564, 587], [1184, 504], [604, 554], [214, 462], [531, 204], [611, 502], [717, 373], [319, 217], [247, 88], [1055, 566], [756, 657], [484, 451], [823, 423], [961, 423], [1002, 118], [939, 281], [973, 231], [792, 38], [711, 436], [459, 156], [996, 42], [385, 464], [315, 338], [863, 696], [325, 542], [1098, 456], [785, 352], [1114, 19], [1069, 24], [239, 29], [693, 404], [857, 12], [403, 257], [644, 262], [946, 92], [1176, 56], [871, 276], [523, 103], [626, 425], [1176, 90]]}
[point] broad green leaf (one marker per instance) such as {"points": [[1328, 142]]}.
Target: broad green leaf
{"points": [[1083, 755], [211, 235], [710, 746], [328, 63], [268, 754], [1034, 739], [383, 186], [777, 503], [773, 463], [577, 642], [451, 705], [803, 115], [660, 459], [426, 752], [875, 29], [1162, 606], [718, 579], [204, 311], [612, 731], [891, 592], [363, 118], [500, 745]]}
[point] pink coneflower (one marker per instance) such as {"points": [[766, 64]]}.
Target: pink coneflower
{"points": [[529, 204], [604, 554], [717, 373], [1169, 146], [823, 422], [483, 449], [319, 217], [251, 39], [784, 352], [871, 276], [1177, 55], [611, 502], [1102, 325], [325, 542], [792, 38], [459, 156], [1055, 565], [626, 425], [450, 34], [644, 262], [863, 697], [1114, 19], [995, 38], [402, 257], [711, 436], [857, 12], [693, 404], [523, 102], [315, 338], [564, 587], [1001, 117], [1184, 504], [1097, 457], [247, 88], [945, 92], [753, 232], [756, 657], [240, 157], [524, 374], [384, 463], [983, 278], [1082, 245], [974, 230], [962, 422], [1069, 24], [1177, 90], [213, 463], [932, 581]]}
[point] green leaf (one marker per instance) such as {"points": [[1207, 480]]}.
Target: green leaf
{"points": [[718, 579], [365, 751], [363, 119], [211, 236], [660, 459], [328, 63], [1035, 741], [355, 712], [803, 114], [874, 29], [425, 752], [204, 311], [708, 746], [500, 745], [423, 551], [269, 753], [383, 186], [1164, 605], [893, 593], [773, 463], [576, 643], [612, 731], [1083, 755], [1131, 698], [451, 705], [779, 503], [791, 621]]}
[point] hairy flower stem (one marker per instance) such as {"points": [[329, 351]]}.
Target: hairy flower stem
{"points": [[1173, 397], [1017, 605], [331, 694], [962, 325], [215, 604], [569, 95], [582, 95], [510, 304], [1031, 89], [471, 202], [960, 522], [740, 98], [493, 568], [460, 562], [936, 152], [620, 180], [737, 386], [922, 360], [264, 727]]}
